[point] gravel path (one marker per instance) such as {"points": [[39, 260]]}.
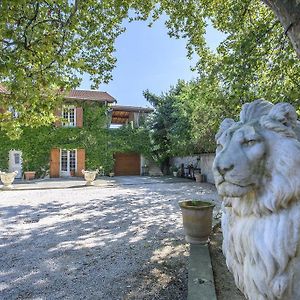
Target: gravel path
{"points": [[123, 242]]}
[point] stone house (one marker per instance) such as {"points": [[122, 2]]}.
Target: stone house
{"points": [[66, 162]]}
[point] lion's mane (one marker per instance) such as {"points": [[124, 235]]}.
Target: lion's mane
{"points": [[261, 229]]}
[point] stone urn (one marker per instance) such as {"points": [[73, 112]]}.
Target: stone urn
{"points": [[90, 176], [7, 179], [197, 220]]}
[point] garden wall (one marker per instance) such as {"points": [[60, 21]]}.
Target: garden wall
{"points": [[204, 161]]}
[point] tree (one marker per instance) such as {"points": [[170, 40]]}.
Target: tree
{"points": [[44, 48], [46, 45], [169, 126], [288, 13]]}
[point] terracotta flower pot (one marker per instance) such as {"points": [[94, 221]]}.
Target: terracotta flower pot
{"points": [[29, 175], [197, 220]]}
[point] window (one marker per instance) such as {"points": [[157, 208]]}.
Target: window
{"points": [[17, 158], [67, 162], [72, 160], [13, 112], [69, 116]]}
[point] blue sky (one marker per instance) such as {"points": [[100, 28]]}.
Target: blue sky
{"points": [[149, 59]]}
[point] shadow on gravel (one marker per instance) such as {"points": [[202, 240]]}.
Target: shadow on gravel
{"points": [[125, 246]]}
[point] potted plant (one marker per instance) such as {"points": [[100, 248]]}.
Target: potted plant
{"points": [[101, 171], [174, 170], [7, 179], [197, 220], [198, 177], [29, 175]]}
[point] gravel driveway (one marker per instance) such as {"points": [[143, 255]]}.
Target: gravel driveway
{"points": [[120, 242]]}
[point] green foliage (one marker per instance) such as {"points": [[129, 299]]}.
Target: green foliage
{"points": [[187, 117], [42, 46], [169, 127], [45, 46], [100, 143]]}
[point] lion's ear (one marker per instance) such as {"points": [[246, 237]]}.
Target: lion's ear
{"points": [[284, 113], [225, 124], [255, 110]]}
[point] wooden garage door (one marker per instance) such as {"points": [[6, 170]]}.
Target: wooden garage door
{"points": [[127, 164]]}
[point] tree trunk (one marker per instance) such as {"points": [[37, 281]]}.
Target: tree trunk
{"points": [[165, 166], [288, 13]]}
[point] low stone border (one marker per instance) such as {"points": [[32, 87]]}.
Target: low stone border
{"points": [[200, 274]]}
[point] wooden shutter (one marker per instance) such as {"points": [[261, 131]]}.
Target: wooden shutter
{"points": [[80, 161], [58, 115], [54, 162], [79, 117]]}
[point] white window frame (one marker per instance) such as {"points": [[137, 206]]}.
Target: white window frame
{"points": [[66, 121], [68, 172], [15, 114]]}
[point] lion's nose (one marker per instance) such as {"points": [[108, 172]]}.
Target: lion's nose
{"points": [[223, 168]]}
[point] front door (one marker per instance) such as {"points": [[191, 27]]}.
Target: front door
{"points": [[15, 162], [67, 162]]}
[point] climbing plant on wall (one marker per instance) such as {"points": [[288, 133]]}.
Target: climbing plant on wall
{"points": [[99, 141]]}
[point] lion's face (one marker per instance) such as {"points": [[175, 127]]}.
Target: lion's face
{"points": [[257, 174], [257, 161], [240, 159]]}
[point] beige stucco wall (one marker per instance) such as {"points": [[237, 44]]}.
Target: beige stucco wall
{"points": [[205, 163], [154, 169]]}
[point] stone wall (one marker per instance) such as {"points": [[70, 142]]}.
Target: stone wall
{"points": [[153, 168], [205, 163]]}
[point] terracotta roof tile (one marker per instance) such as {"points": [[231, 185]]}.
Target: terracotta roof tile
{"points": [[3, 90], [131, 108], [91, 95]]}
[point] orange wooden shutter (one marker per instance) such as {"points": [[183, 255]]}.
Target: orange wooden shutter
{"points": [[79, 117], [80, 161], [58, 120], [54, 162]]}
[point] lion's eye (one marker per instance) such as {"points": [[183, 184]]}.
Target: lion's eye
{"points": [[219, 147], [249, 143]]}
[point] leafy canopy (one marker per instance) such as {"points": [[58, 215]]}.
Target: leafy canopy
{"points": [[45, 46]]}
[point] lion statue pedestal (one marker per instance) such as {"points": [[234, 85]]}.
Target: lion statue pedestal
{"points": [[257, 174]]}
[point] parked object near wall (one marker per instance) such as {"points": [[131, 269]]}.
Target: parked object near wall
{"points": [[197, 220], [203, 161], [199, 177], [7, 179], [174, 170], [89, 176], [29, 175], [257, 174]]}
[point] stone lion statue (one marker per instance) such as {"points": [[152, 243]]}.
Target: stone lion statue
{"points": [[257, 174]]}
